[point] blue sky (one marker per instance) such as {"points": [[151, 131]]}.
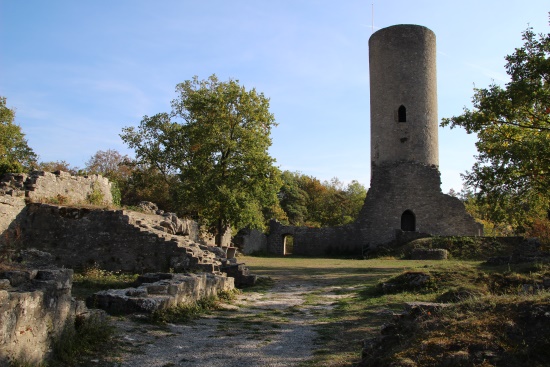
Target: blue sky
{"points": [[77, 72]]}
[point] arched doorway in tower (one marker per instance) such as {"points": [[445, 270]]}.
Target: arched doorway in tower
{"points": [[288, 244], [408, 221]]}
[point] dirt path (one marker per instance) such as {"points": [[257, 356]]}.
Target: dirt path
{"points": [[272, 328]]}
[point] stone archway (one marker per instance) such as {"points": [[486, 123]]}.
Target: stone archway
{"points": [[288, 244], [408, 221]]}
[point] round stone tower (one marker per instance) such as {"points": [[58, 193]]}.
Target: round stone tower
{"points": [[403, 96]]}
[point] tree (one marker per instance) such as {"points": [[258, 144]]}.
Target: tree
{"points": [[216, 142], [111, 164], [513, 129], [309, 202], [62, 165], [15, 153], [293, 199]]}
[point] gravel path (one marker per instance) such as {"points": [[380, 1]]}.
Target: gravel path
{"points": [[273, 329]]}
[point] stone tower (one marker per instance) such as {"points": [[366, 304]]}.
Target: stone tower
{"points": [[405, 197], [404, 200], [403, 95]]}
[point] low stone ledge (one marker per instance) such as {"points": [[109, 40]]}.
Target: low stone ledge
{"points": [[166, 291], [429, 254]]}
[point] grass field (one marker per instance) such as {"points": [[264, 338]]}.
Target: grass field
{"points": [[487, 298]]}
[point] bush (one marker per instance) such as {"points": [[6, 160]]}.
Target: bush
{"points": [[96, 197], [115, 192]]}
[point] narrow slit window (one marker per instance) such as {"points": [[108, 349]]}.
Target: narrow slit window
{"points": [[402, 114]]}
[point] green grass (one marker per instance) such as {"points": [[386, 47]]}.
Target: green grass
{"points": [[364, 308], [94, 279]]}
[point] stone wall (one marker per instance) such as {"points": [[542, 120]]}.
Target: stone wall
{"points": [[307, 241], [18, 188], [82, 237], [10, 208], [35, 306], [41, 185], [250, 241], [12, 203]]}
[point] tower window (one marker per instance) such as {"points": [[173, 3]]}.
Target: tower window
{"points": [[402, 114]]}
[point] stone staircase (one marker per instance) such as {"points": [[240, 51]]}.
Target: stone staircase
{"points": [[200, 256]]}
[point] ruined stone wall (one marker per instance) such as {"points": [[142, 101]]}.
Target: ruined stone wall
{"points": [[326, 241], [250, 241], [12, 203], [35, 306], [18, 188], [395, 188], [41, 185], [80, 237], [10, 208]]}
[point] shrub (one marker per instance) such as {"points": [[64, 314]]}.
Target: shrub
{"points": [[115, 192], [96, 197]]}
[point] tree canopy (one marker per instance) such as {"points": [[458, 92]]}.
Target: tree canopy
{"points": [[15, 153], [215, 141], [512, 124], [309, 202]]}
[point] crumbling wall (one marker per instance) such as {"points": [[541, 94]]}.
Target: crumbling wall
{"points": [[342, 240], [12, 203], [250, 241], [81, 237], [10, 208], [41, 185], [18, 188], [35, 306]]}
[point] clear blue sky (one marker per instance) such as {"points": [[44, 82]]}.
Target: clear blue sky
{"points": [[77, 72]]}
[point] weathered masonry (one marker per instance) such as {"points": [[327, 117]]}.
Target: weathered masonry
{"points": [[405, 198]]}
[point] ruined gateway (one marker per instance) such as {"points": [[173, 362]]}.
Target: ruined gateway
{"points": [[405, 199]]}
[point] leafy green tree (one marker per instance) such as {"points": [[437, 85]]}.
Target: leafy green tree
{"points": [[15, 153], [512, 124], [355, 195], [216, 142], [293, 199], [309, 202], [146, 183]]}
